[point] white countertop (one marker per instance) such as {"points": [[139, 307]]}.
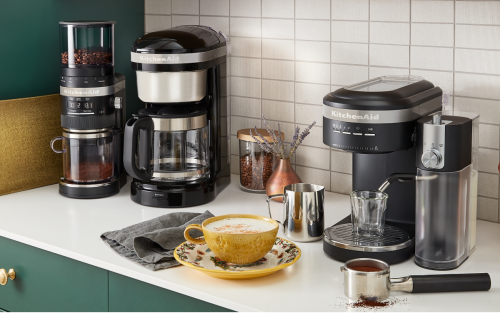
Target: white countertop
{"points": [[42, 218]]}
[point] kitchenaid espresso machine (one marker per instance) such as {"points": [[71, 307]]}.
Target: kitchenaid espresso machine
{"points": [[176, 148], [376, 121], [92, 111]]}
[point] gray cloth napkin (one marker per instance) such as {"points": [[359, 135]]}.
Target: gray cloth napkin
{"points": [[152, 243]]}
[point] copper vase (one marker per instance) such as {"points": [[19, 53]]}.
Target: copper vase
{"points": [[283, 175]]}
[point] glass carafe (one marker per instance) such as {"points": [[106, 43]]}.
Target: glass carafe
{"points": [[88, 158], [167, 145]]}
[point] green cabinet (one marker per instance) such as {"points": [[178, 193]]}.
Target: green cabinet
{"points": [[130, 295], [49, 282]]}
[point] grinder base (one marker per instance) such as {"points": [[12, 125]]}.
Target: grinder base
{"points": [[395, 246]]}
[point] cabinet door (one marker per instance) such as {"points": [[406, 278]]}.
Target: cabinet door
{"points": [[130, 295], [49, 282]]}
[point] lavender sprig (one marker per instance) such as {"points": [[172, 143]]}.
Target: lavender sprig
{"points": [[264, 144], [278, 148]]}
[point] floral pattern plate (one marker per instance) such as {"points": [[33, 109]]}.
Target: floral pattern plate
{"points": [[283, 254]]}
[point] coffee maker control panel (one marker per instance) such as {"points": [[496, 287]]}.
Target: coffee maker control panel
{"points": [[433, 156]]}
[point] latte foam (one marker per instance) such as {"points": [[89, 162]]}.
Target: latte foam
{"points": [[240, 225]]}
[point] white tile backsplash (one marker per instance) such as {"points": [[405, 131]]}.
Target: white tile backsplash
{"points": [[158, 7], [315, 51], [278, 49], [308, 113], [214, 7], [246, 47], [278, 110], [288, 54], [350, 31], [477, 36], [312, 9], [157, 22], [186, 7], [356, 10], [478, 86], [350, 53], [308, 93], [348, 74], [440, 35], [245, 87], [277, 28], [312, 30], [390, 33], [477, 61], [389, 55], [185, 20], [246, 67], [432, 11], [432, 58], [307, 72], [277, 69], [248, 8], [245, 27], [484, 12], [390, 10], [277, 90], [278, 8]]}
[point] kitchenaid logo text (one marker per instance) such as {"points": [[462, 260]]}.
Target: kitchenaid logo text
{"points": [[81, 92], [155, 59], [355, 117]]}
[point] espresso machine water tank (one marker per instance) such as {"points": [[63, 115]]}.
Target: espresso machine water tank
{"points": [[445, 214]]}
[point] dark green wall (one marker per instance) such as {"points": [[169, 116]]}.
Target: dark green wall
{"points": [[29, 42]]}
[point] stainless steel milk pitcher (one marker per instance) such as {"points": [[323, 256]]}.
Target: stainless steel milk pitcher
{"points": [[303, 219]]}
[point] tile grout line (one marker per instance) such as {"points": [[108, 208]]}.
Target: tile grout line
{"points": [[410, 45]]}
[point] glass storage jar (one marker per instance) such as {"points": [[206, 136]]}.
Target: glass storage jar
{"points": [[256, 165], [88, 158]]}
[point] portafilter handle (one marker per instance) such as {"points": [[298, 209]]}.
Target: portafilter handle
{"points": [[403, 178], [442, 283]]}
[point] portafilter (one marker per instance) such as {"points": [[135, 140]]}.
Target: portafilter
{"points": [[369, 280]]}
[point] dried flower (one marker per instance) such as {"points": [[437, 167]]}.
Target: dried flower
{"points": [[278, 147]]}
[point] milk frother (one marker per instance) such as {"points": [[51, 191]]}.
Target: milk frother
{"points": [[376, 286]]}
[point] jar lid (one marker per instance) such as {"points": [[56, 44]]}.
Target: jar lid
{"points": [[244, 134]]}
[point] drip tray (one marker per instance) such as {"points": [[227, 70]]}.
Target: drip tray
{"points": [[393, 247]]}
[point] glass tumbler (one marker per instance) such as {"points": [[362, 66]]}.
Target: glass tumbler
{"points": [[368, 212]]}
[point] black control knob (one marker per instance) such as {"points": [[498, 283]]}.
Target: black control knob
{"points": [[431, 158]]}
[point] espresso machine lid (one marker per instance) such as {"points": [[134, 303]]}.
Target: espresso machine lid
{"points": [[384, 93], [180, 39]]}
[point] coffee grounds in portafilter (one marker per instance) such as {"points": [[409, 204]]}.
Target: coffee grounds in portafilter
{"points": [[83, 56], [255, 170], [365, 268]]}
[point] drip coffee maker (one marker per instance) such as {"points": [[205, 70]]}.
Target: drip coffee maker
{"points": [[92, 111], [177, 148]]}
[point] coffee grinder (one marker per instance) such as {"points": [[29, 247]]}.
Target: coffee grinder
{"points": [[92, 111], [177, 148], [376, 121], [446, 212]]}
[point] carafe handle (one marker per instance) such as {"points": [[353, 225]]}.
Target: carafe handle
{"points": [[132, 128], [269, 206], [52, 144]]}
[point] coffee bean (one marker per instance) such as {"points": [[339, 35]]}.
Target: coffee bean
{"points": [[255, 170]]}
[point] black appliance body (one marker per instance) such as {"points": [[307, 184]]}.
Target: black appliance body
{"points": [[177, 148], [92, 111], [376, 121]]}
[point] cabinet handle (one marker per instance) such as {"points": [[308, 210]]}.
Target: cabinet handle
{"points": [[4, 276]]}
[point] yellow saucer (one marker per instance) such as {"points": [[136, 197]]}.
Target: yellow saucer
{"points": [[199, 257]]}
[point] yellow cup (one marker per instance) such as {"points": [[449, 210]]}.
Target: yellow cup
{"points": [[235, 248]]}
